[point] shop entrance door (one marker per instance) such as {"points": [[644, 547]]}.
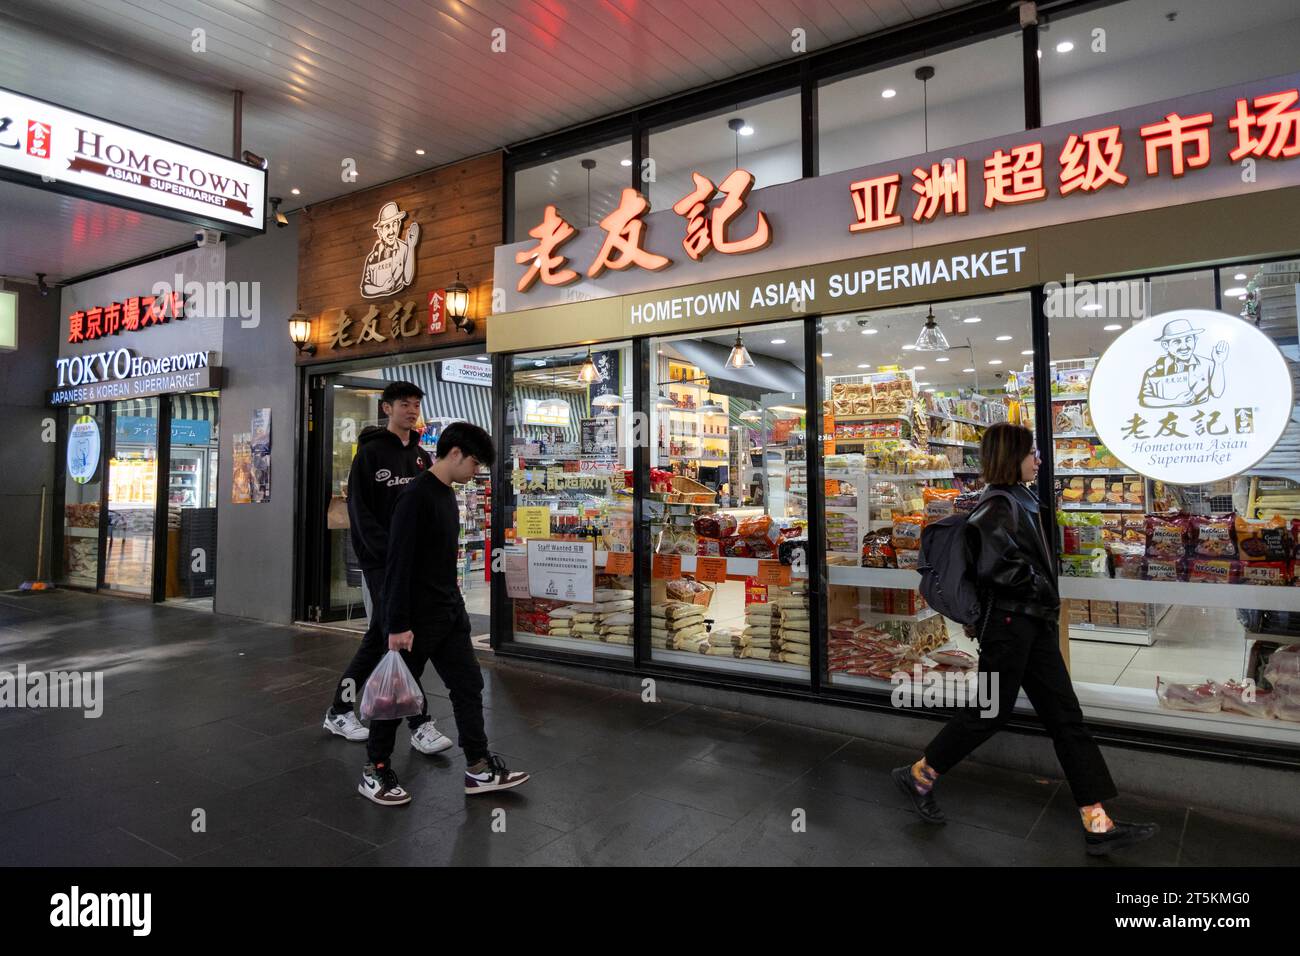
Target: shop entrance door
{"points": [[132, 497], [191, 538]]}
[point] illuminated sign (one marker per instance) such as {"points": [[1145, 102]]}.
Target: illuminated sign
{"points": [[136, 313], [118, 375]]}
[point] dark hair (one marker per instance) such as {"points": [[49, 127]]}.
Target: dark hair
{"points": [[470, 439], [396, 391], [1002, 449]]}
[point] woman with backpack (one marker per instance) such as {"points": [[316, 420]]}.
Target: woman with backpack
{"points": [[1016, 573]]}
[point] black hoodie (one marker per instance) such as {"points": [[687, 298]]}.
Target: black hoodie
{"points": [[380, 471]]}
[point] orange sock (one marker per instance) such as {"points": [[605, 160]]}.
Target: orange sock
{"points": [[923, 776], [1095, 819]]}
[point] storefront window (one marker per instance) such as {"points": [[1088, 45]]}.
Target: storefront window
{"points": [[976, 92], [568, 506], [762, 136], [1147, 564], [729, 501], [81, 494], [900, 438], [192, 498], [1136, 52], [582, 196], [132, 497]]}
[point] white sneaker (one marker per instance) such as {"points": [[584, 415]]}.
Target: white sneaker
{"points": [[429, 740], [345, 725], [493, 776], [379, 783]]}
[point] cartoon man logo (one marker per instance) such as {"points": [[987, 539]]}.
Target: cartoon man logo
{"points": [[390, 267], [1180, 377]]}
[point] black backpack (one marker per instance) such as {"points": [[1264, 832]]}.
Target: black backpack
{"points": [[947, 567]]}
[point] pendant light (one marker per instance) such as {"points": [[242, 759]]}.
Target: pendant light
{"points": [[739, 357], [589, 374], [663, 401], [712, 407], [931, 338], [588, 165], [608, 400], [752, 416]]}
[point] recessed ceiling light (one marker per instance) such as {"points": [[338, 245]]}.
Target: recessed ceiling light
{"points": [[1065, 46], [870, 331], [908, 348], [1240, 277], [1235, 290], [943, 358], [778, 341], [918, 368], [296, 191], [863, 365], [972, 319], [419, 152], [746, 130], [1111, 328], [1027, 352], [968, 370], [625, 162], [995, 361], [1004, 338], [889, 93], [826, 355]]}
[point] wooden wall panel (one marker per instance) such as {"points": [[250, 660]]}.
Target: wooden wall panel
{"points": [[459, 211]]}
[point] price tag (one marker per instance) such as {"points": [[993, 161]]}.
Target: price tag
{"points": [[711, 569], [773, 572], [832, 487], [618, 562], [667, 566]]}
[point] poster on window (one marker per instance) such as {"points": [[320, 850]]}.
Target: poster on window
{"points": [[562, 571], [260, 455], [241, 483]]}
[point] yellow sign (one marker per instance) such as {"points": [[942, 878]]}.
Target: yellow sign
{"points": [[533, 522]]}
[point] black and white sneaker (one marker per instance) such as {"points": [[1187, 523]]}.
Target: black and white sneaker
{"points": [[345, 725], [379, 783], [491, 774]]}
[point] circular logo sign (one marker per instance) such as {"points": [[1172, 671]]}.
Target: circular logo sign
{"points": [[83, 449], [1191, 396]]}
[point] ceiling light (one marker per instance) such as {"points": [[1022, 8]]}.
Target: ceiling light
{"points": [[419, 152], [589, 374], [663, 401], [1111, 328], [1090, 307], [751, 415], [1240, 277], [778, 341], [908, 347], [943, 358], [739, 357], [995, 361], [931, 338], [918, 368], [826, 355], [1027, 352], [1242, 297], [625, 162], [1065, 46], [295, 191], [1235, 290], [746, 130], [608, 400], [864, 365], [1004, 338], [889, 93], [968, 370], [870, 331], [973, 319]]}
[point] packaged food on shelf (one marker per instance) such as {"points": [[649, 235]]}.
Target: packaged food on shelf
{"points": [[907, 531], [1267, 573], [689, 591], [1283, 670], [878, 550], [1166, 536], [1213, 571], [1247, 699], [1103, 613], [1204, 698], [1090, 565], [1165, 569], [939, 502], [1081, 531], [1264, 541], [1212, 537]]}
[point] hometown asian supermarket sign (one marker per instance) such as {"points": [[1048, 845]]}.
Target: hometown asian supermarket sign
{"points": [[117, 375], [1194, 148], [49, 147], [1191, 396]]}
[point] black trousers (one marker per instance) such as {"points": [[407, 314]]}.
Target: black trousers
{"points": [[374, 645], [1023, 652], [444, 641]]}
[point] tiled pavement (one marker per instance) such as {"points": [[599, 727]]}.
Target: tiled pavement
{"points": [[222, 715]]}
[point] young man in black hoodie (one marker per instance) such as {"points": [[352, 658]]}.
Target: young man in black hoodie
{"points": [[426, 616], [387, 460]]}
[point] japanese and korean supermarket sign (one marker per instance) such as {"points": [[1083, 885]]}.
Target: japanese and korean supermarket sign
{"points": [[1191, 396], [75, 153], [1203, 146]]}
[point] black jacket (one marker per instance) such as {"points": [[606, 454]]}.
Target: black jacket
{"points": [[1013, 560], [421, 585], [382, 467]]}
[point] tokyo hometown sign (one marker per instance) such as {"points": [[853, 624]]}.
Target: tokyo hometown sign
{"points": [[1191, 396]]}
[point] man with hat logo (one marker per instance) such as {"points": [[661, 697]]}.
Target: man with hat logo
{"points": [[1180, 377], [390, 267]]}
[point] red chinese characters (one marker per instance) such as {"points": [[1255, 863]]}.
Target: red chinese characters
{"points": [[1272, 129], [1092, 160], [875, 203], [131, 314], [1176, 134], [707, 227], [77, 327], [942, 185], [624, 234], [544, 263], [1015, 177]]}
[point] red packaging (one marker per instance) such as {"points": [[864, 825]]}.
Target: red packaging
{"points": [[1274, 573], [710, 548], [1210, 571], [1212, 538], [878, 550], [1267, 541], [1163, 569], [1166, 537], [1129, 565]]}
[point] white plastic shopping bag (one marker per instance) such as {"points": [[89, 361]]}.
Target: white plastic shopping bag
{"points": [[391, 692]]}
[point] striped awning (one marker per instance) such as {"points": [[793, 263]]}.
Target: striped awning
{"points": [[454, 400], [578, 410], [189, 407]]}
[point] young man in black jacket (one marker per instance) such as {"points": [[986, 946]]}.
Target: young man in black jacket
{"points": [[426, 616], [387, 460]]}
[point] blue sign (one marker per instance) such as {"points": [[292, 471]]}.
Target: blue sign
{"points": [[143, 430]]}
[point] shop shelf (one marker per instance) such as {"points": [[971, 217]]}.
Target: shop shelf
{"points": [[1193, 593], [1094, 472], [873, 577], [958, 419], [1075, 435], [953, 442], [875, 617], [1101, 506]]}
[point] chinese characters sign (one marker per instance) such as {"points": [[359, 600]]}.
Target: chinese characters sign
{"points": [[1191, 396], [136, 313], [72, 152]]}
